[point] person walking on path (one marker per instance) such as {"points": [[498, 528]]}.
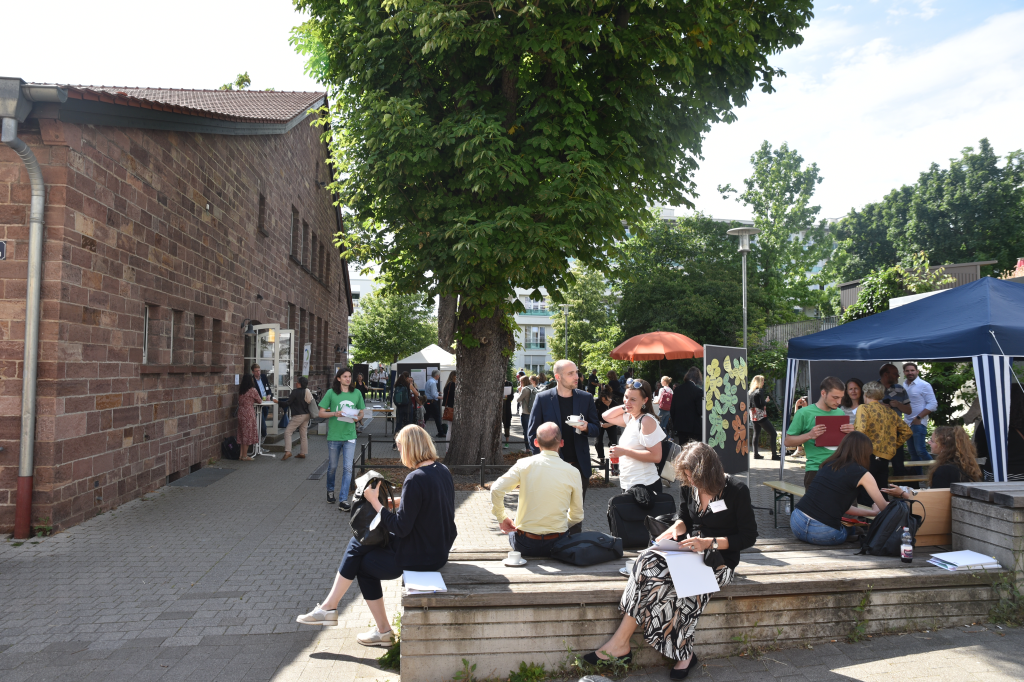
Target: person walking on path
{"points": [[688, 408], [298, 405], [898, 401], [550, 496], [525, 399], [922, 403], [759, 414], [405, 406], [248, 432], [421, 534], [433, 404], [803, 430], [558, 405], [448, 405], [664, 400], [716, 520], [341, 433]]}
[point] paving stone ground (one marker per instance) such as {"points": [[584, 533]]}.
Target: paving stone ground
{"points": [[204, 583]]}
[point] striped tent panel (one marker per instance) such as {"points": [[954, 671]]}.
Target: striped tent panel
{"points": [[992, 376]]}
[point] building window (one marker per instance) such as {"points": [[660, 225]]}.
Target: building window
{"points": [[327, 269], [305, 244], [320, 263], [535, 338], [312, 256], [296, 235], [145, 334], [199, 345], [291, 316], [215, 331], [261, 218]]}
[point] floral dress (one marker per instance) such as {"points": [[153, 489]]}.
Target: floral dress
{"points": [[248, 430]]}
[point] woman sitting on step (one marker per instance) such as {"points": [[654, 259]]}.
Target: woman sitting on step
{"points": [[818, 517], [422, 533], [716, 519]]}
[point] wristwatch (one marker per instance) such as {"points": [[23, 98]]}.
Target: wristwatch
{"points": [[714, 543]]}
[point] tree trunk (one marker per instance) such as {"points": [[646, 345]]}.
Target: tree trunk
{"points": [[476, 430], [446, 319]]}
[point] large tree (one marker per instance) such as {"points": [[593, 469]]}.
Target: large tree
{"points": [[793, 240], [591, 309], [482, 146], [389, 327]]}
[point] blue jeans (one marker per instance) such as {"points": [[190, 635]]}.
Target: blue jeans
{"points": [[346, 450], [665, 418], [815, 532], [916, 445], [368, 566], [530, 547]]}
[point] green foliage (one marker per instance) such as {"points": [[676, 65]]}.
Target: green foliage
{"points": [[597, 354], [792, 240], [480, 147], [528, 673], [241, 82], [390, 326], [392, 658], [860, 627], [770, 361], [949, 380], [971, 211], [591, 309], [683, 277], [911, 276], [466, 674], [1009, 608]]}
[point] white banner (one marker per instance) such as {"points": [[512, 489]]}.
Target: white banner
{"points": [[307, 351]]}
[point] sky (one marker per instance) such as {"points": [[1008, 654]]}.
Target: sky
{"points": [[878, 91]]}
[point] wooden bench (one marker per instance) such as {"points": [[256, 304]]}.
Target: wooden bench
{"points": [[907, 479], [784, 491], [786, 593]]}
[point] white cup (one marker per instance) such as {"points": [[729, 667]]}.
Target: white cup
{"points": [[629, 564], [515, 557]]}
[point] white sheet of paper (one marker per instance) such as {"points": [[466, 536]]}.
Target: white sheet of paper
{"points": [[236, 380], [964, 558], [506, 391], [669, 546], [718, 506], [420, 582], [689, 574], [375, 522]]}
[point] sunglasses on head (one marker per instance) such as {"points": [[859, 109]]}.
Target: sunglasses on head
{"points": [[635, 383]]}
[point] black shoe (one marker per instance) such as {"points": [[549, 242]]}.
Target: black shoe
{"points": [[776, 458], [344, 506], [758, 456], [682, 673], [330, 497], [592, 659]]}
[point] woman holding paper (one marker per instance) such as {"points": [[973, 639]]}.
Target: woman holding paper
{"points": [[715, 519], [422, 531]]}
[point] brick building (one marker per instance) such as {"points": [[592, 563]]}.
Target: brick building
{"points": [[172, 218]]}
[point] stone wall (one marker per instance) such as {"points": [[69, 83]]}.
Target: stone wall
{"points": [[184, 229]]}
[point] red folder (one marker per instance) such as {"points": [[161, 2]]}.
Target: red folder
{"points": [[832, 436]]}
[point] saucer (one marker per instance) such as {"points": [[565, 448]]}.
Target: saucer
{"points": [[509, 562], [575, 424], [624, 571]]}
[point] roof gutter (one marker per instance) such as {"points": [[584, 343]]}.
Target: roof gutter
{"points": [[16, 101]]}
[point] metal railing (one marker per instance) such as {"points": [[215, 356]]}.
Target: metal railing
{"points": [[533, 345], [782, 333], [542, 313]]}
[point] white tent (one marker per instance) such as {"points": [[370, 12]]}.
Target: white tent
{"points": [[431, 356]]}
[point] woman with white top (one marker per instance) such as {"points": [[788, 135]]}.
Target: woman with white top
{"points": [[639, 446], [664, 400]]}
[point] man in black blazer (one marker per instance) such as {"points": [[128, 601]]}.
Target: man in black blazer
{"points": [[688, 408], [555, 405]]}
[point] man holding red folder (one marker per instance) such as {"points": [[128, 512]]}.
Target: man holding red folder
{"points": [[804, 430]]}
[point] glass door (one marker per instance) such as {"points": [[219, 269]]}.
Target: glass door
{"points": [[265, 346]]}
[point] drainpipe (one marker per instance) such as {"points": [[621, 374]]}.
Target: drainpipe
{"points": [[15, 108]]}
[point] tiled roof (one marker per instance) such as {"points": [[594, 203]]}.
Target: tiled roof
{"points": [[231, 105]]}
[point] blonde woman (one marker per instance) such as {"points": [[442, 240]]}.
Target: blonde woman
{"points": [[956, 460], [759, 415], [715, 519], [664, 400], [422, 533]]}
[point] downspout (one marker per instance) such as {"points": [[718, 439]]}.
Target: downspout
{"points": [[9, 136]]}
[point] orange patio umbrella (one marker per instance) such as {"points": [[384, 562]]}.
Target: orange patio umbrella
{"points": [[658, 346]]}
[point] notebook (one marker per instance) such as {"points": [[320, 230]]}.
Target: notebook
{"points": [[423, 582], [832, 436]]}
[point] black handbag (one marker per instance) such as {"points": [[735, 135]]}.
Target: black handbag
{"points": [[363, 514], [587, 549]]}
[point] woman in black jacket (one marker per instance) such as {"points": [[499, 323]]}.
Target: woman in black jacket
{"points": [[759, 413], [422, 531], [715, 518]]}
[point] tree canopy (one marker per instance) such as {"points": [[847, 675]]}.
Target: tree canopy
{"points": [[388, 327], [482, 146], [591, 310]]}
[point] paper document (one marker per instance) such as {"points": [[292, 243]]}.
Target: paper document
{"points": [[423, 582], [690, 575], [963, 560]]}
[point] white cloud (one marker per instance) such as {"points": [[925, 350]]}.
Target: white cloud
{"points": [[879, 114]]}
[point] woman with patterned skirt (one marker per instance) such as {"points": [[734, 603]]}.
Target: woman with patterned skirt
{"points": [[715, 518]]}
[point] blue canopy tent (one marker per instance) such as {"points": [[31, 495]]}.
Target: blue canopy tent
{"points": [[982, 321]]}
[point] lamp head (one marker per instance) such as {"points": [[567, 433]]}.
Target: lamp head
{"points": [[744, 233]]}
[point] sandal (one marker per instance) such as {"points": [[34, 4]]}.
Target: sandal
{"points": [[245, 458], [301, 456]]}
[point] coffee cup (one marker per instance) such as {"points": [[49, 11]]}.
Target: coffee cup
{"points": [[629, 564], [515, 557]]}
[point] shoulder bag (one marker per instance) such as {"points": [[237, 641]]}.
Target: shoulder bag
{"points": [[366, 526], [314, 409]]}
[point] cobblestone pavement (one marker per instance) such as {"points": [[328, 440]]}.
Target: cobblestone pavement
{"points": [[204, 583]]}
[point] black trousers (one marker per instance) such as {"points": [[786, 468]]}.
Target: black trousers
{"points": [[432, 410], [897, 463], [879, 469], [612, 434], [578, 528], [684, 437], [767, 425]]}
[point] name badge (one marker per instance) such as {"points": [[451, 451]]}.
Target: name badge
{"points": [[718, 506]]}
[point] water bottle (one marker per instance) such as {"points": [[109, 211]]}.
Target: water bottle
{"points": [[906, 546]]}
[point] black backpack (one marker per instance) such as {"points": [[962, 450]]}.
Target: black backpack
{"points": [[402, 396], [363, 514], [587, 549], [229, 448], [885, 534]]}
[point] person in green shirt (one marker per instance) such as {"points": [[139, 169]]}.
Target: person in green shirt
{"points": [[802, 430], [341, 433]]}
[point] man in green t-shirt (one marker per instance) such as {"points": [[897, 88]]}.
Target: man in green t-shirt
{"points": [[341, 433], [802, 430]]}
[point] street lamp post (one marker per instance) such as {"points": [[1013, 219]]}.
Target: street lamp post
{"points": [[744, 233]]}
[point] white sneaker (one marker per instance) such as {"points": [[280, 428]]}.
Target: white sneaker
{"points": [[375, 637], [319, 616]]}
